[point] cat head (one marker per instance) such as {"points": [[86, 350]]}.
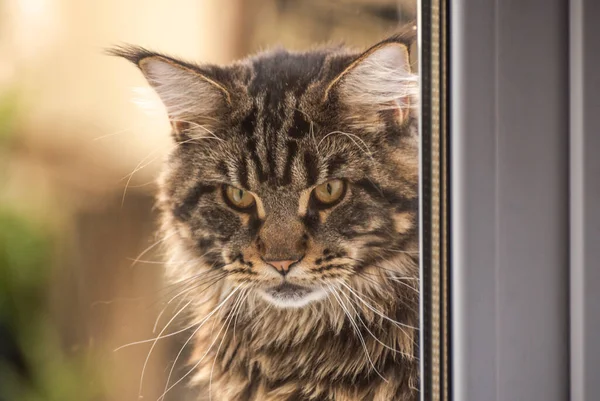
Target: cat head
{"points": [[293, 173]]}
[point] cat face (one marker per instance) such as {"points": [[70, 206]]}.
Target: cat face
{"points": [[293, 172]]}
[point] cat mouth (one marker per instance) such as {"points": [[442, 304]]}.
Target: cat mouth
{"points": [[288, 295], [288, 291]]}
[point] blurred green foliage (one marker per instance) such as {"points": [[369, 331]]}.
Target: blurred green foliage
{"points": [[33, 364]]}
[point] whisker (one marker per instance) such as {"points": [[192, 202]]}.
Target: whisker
{"points": [[142, 185], [194, 285], [159, 262], [236, 317], [212, 134], [399, 280], [230, 317], [393, 275], [115, 300], [362, 261], [371, 333], [159, 337], [154, 344], [354, 138], [167, 290], [202, 322], [151, 262], [376, 283], [145, 251], [119, 132], [390, 277], [160, 315], [357, 330], [137, 168], [375, 310], [142, 164], [402, 251]]}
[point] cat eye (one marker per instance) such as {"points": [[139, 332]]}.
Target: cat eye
{"points": [[239, 198], [330, 192]]}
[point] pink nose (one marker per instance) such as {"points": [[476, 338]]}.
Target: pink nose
{"points": [[282, 266]]}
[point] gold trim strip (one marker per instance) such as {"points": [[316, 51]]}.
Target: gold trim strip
{"points": [[444, 198], [436, 357]]}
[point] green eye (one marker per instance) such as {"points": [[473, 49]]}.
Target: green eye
{"points": [[239, 198], [330, 191]]}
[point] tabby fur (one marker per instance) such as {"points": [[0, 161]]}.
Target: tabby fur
{"points": [[277, 124]]}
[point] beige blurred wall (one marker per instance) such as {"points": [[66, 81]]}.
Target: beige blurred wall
{"points": [[79, 102]]}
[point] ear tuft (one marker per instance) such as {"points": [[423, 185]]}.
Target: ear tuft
{"points": [[378, 79], [192, 97], [131, 53]]}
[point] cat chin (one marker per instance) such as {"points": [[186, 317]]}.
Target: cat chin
{"points": [[292, 296]]}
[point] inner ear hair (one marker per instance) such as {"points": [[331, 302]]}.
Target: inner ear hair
{"points": [[145, 65], [379, 69], [140, 56], [191, 94]]}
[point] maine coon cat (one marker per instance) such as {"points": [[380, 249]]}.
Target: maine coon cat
{"points": [[289, 211]]}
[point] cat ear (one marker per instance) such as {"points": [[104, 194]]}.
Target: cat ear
{"points": [[378, 79], [193, 98]]}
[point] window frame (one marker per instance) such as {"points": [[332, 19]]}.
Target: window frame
{"points": [[584, 199], [521, 202]]}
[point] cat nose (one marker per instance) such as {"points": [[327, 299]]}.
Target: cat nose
{"points": [[282, 266]]}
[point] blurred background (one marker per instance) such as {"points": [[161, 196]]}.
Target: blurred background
{"points": [[80, 147]]}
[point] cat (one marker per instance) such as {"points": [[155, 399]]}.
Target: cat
{"points": [[289, 212]]}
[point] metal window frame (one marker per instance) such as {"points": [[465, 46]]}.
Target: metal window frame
{"points": [[585, 199], [524, 170], [525, 135], [510, 200]]}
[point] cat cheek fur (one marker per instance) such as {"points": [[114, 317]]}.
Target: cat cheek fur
{"points": [[277, 124]]}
